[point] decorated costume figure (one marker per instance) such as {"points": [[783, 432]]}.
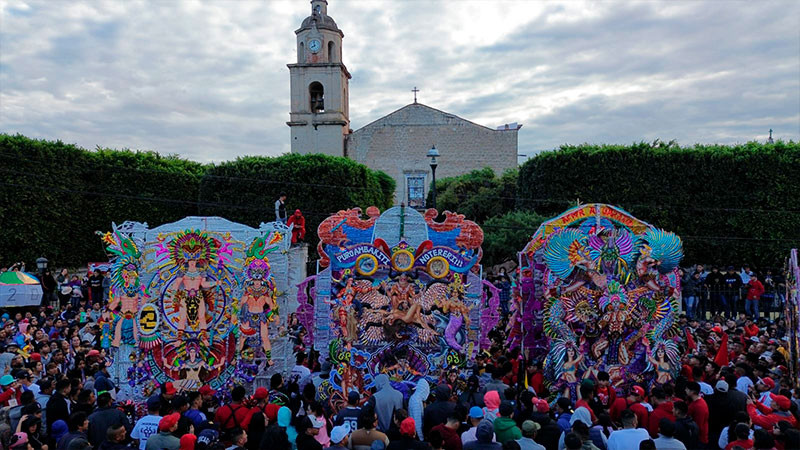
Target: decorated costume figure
{"points": [[193, 252], [259, 301], [125, 289]]}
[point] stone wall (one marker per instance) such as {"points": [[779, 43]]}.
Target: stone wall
{"points": [[398, 144]]}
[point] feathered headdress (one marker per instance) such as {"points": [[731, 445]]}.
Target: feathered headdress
{"points": [[194, 245], [125, 259]]}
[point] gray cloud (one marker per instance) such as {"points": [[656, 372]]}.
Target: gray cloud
{"points": [[209, 81]]}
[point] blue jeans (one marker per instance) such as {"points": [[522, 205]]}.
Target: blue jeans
{"points": [[727, 303], [691, 306], [751, 307]]}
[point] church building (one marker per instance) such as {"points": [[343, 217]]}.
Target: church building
{"points": [[397, 143]]}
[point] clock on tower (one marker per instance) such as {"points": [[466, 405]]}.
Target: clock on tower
{"points": [[319, 118]]}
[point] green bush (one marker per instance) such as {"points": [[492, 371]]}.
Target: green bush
{"points": [[54, 196], [730, 204], [506, 235], [478, 195]]}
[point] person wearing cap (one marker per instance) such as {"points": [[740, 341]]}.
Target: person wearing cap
{"points": [[10, 396], [764, 386], [209, 406], [349, 415], [188, 442], [449, 433], [505, 428], [698, 410], [147, 425], [408, 437], [475, 417], [526, 442], [165, 439], [165, 397], [366, 434], [771, 415], [484, 438], [307, 429], [298, 224], [732, 283], [339, 435], [105, 416], [633, 402], [207, 438]]}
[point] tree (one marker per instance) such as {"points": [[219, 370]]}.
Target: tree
{"points": [[508, 234]]}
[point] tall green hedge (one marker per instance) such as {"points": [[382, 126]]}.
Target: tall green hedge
{"points": [[54, 196], [478, 195], [730, 204], [245, 190]]}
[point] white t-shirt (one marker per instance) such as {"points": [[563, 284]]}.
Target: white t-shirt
{"points": [[144, 428], [302, 374], [627, 439]]}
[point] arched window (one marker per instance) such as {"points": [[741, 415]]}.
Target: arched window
{"points": [[317, 95], [301, 53], [332, 56]]}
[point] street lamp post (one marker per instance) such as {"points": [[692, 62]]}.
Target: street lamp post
{"points": [[432, 154]]}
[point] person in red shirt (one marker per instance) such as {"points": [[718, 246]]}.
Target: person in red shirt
{"points": [[698, 410], [298, 225], [586, 391], [754, 292], [750, 329], [234, 415], [603, 390], [742, 433], [632, 402], [771, 415], [662, 409], [449, 432]]}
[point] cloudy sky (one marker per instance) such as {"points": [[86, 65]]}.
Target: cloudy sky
{"points": [[208, 79]]}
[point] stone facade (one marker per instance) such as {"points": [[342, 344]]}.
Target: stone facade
{"points": [[399, 142]]}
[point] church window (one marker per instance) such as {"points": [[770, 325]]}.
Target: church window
{"points": [[301, 53], [416, 190], [331, 52], [317, 95]]}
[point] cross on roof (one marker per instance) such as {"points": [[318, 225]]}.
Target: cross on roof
{"points": [[415, 90]]}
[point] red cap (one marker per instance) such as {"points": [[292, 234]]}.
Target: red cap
{"points": [[769, 382], [782, 402], [167, 422], [261, 393], [93, 353], [188, 441], [541, 405], [638, 391], [717, 329], [272, 412], [408, 427], [169, 388], [36, 357], [206, 390]]}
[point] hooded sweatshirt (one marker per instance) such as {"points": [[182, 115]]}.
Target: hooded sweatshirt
{"points": [[437, 412], [483, 435], [582, 414], [284, 420], [416, 406], [387, 400], [492, 409], [506, 429]]}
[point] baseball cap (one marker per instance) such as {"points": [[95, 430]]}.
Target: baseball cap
{"points": [[638, 390], [32, 408], [169, 388], [722, 386], [781, 400], [93, 353], [541, 405], [530, 426], [408, 427], [206, 390], [168, 422], [6, 380], [768, 382], [36, 357], [476, 412], [207, 436], [315, 422], [261, 393], [339, 433]]}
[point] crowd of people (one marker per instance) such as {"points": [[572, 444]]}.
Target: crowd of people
{"points": [[735, 390]]}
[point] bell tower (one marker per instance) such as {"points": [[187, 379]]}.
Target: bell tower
{"points": [[319, 119]]}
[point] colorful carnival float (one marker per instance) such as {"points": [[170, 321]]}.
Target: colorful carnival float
{"points": [[399, 294], [199, 301], [792, 314], [599, 291]]}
